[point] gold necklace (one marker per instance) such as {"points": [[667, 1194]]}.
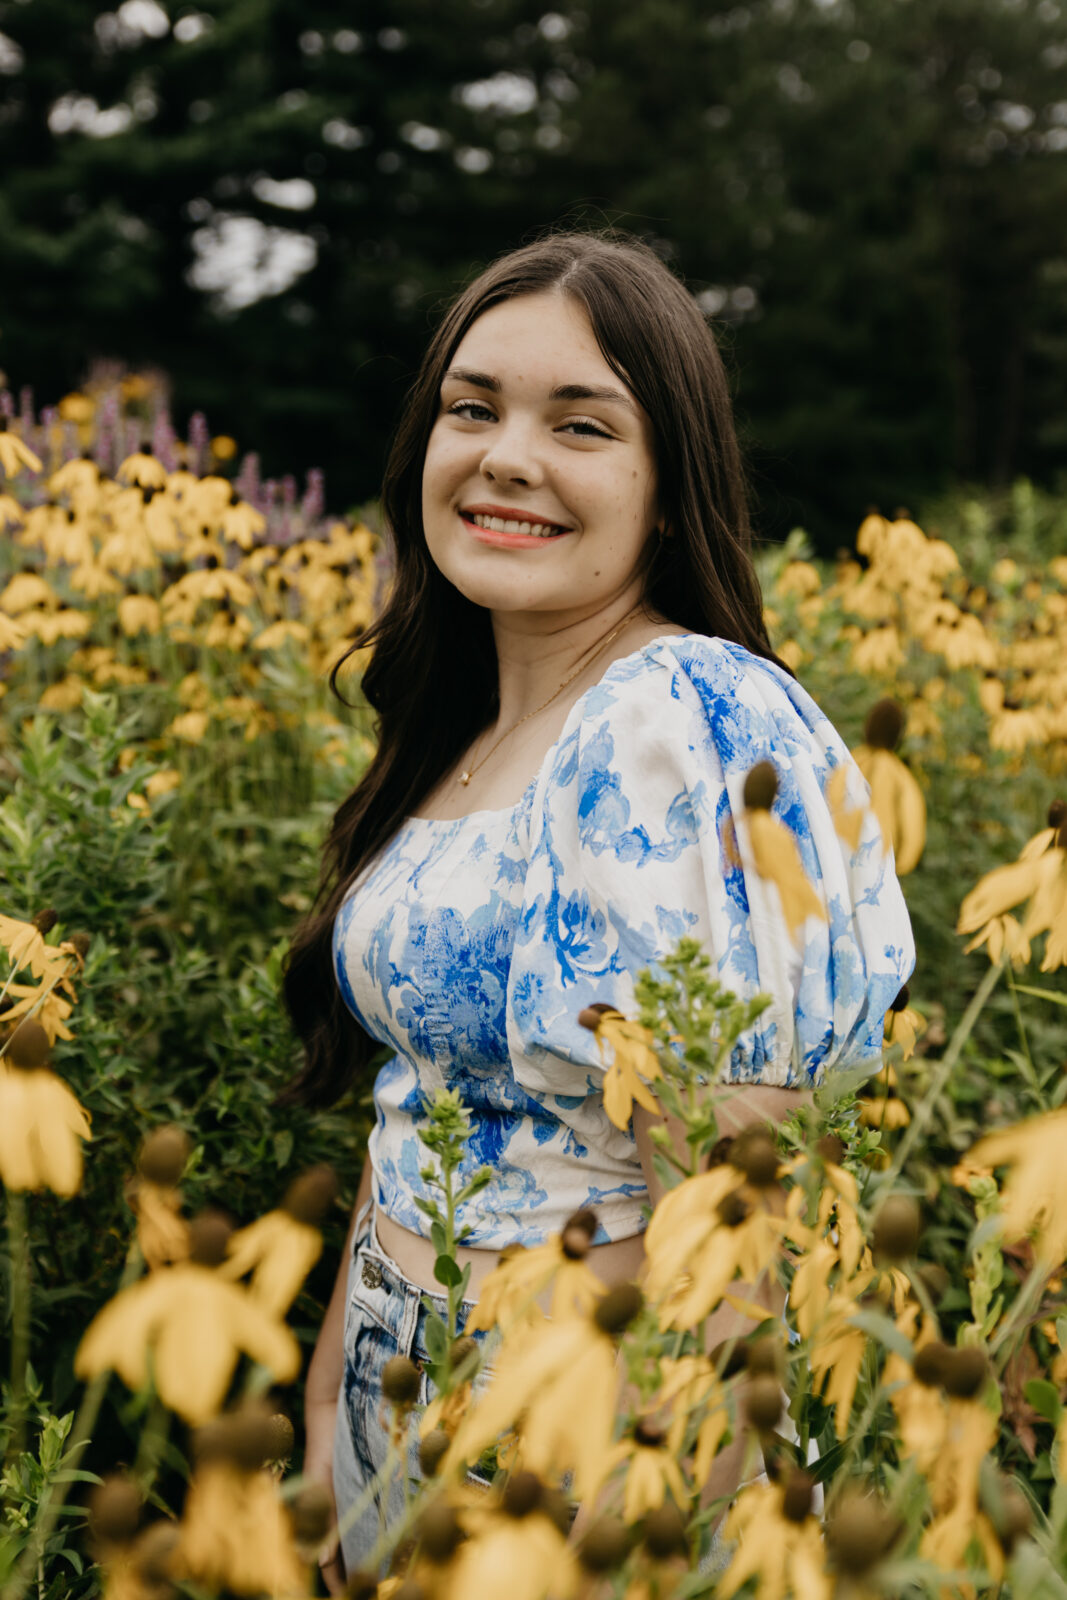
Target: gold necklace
{"points": [[465, 777]]}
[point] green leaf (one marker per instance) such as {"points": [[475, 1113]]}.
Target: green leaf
{"points": [[436, 1334], [887, 1333], [283, 1146], [1057, 998], [447, 1272], [439, 1238], [1044, 1397]]}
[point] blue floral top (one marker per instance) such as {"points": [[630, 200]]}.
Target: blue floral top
{"points": [[470, 946]]}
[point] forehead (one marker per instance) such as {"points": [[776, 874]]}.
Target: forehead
{"points": [[535, 338]]}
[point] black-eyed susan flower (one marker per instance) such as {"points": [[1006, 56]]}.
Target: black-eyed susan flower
{"points": [[195, 1324], [510, 1293], [704, 1233], [557, 1386], [42, 1125], [652, 1470], [633, 1058], [1034, 1197], [518, 1547], [143, 469], [14, 454], [774, 850], [896, 798], [903, 1025], [780, 1542], [235, 1532], [882, 1107], [25, 944], [280, 1248]]}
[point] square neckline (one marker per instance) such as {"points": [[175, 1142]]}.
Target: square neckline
{"points": [[509, 811]]}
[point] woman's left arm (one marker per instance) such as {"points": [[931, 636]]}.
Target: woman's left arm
{"points": [[735, 1110]]}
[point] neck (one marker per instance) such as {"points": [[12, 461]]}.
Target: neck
{"points": [[537, 650]]}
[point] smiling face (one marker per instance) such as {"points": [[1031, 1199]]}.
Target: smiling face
{"points": [[539, 484]]}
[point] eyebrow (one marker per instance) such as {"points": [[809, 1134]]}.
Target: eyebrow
{"points": [[563, 391]]}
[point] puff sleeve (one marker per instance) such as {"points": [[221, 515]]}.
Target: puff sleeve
{"points": [[627, 854]]}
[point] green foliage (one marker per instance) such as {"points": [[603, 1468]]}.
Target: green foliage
{"points": [[179, 1015]]}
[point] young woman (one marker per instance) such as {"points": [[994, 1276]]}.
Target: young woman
{"points": [[572, 678]]}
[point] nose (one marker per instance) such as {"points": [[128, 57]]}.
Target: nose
{"points": [[511, 456]]}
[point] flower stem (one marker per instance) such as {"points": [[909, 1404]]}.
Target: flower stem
{"points": [[19, 1255], [925, 1109], [78, 1441]]}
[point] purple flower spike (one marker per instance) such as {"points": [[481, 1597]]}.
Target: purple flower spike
{"points": [[163, 440], [7, 404], [247, 482], [314, 501], [199, 441]]}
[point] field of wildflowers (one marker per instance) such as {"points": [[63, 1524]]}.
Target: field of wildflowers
{"points": [[170, 757]]}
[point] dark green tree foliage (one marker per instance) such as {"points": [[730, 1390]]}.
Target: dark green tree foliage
{"points": [[870, 196]]}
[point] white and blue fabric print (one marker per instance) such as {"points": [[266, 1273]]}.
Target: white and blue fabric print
{"points": [[470, 946]]}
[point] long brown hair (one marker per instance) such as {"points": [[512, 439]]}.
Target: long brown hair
{"points": [[433, 672]]}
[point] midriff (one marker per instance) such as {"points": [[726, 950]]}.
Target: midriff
{"points": [[615, 1262]]}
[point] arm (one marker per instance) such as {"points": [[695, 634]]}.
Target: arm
{"points": [[757, 1104], [325, 1372]]}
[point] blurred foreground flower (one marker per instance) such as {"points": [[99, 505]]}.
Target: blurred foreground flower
{"points": [[235, 1532], [781, 1543], [42, 1125], [557, 1385], [194, 1323], [633, 1058], [1034, 1198], [14, 455], [896, 799], [775, 852], [280, 1248]]}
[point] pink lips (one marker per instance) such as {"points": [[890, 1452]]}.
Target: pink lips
{"points": [[507, 540]]}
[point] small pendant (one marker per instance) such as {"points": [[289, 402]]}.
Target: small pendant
{"points": [[464, 778]]}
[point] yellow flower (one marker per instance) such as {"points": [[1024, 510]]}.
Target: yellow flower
{"points": [[277, 634], [1002, 935], [651, 1469], [704, 1233], [1014, 727], [1034, 1199], [241, 523], [14, 455], [165, 781], [510, 1292], [882, 1107], [24, 943], [25, 591], [557, 1385], [632, 1056], [903, 1025], [896, 799], [517, 1551], [879, 651], [691, 1384], [143, 469], [780, 1544], [279, 1251], [236, 1534], [139, 613], [848, 818], [190, 726], [42, 1126], [798, 578], [162, 1234], [774, 850], [223, 448], [195, 1324]]}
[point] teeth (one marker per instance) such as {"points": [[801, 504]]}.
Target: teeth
{"points": [[540, 530]]}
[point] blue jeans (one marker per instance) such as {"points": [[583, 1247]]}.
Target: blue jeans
{"points": [[384, 1317]]}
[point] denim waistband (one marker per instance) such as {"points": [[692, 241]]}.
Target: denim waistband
{"points": [[395, 1303]]}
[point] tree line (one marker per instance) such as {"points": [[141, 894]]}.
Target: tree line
{"points": [[869, 197]]}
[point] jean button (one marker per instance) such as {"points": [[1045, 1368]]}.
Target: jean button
{"points": [[372, 1274]]}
